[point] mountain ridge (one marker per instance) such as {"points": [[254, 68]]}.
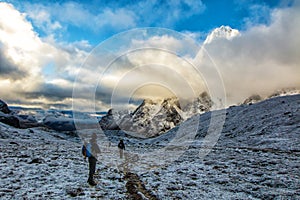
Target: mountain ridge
{"points": [[155, 117]]}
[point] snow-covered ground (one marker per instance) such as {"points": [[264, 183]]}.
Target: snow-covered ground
{"points": [[257, 156]]}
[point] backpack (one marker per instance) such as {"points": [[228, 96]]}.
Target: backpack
{"points": [[86, 150], [121, 145]]}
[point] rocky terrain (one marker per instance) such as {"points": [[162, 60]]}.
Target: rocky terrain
{"points": [[257, 156], [155, 117]]}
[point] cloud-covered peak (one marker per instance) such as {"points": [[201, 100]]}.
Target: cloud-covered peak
{"points": [[222, 32]]}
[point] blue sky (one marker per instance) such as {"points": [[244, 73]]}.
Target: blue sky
{"points": [[45, 46], [189, 15]]}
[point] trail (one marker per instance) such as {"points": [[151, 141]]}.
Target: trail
{"points": [[136, 188]]}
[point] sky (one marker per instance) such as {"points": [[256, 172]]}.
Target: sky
{"points": [[93, 55]]}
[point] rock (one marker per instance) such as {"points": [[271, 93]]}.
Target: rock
{"points": [[14, 143], [75, 192], [155, 117], [36, 161], [9, 120], [253, 99], [108, 122], [4, 108], [27, 121], [59, 124]]}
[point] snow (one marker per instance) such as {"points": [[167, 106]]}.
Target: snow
{"points": [[222, 32], [257, 156], [155, 117]]}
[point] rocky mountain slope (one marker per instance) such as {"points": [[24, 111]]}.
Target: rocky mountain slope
{"points": [[6, 115], [154, 117], [255, 98], [257, 156]]}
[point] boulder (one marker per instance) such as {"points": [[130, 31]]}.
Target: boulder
{"points": [[9, 120], [4, 108], [108, 122], [59, 124]]}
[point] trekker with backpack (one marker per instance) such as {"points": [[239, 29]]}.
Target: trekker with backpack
{"points": [[121, 147], [91, 150]]}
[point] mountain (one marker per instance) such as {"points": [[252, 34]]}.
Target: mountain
{"points": [[255, 98], [201, 104], [59, 120], [221, 32], [108, 121], [7, 117], [285, 92], [154, 117], [4, 108]]}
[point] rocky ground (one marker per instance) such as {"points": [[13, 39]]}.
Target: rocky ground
{"points": [[256, 157]]}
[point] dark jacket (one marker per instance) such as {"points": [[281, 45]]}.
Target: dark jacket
{"points": [[121, 145]]}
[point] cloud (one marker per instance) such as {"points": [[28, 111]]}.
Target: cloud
{"points": [[119, 19], [167, 13], [262, 58], [42, 19], [51, 92], [8, 69], [25, 57], [109, 17], [42, 70], [55, 17], [20, 48]]}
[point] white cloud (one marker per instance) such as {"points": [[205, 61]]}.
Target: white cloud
{"points": [[155, 67], [19, 43], [59, 16], [24, 56], [42, 19], [263, 58], [119, 19], [167, 13], [112, 17]]}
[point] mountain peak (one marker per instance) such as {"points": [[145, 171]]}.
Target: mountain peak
{"points": [[156, 116], [222, 32]]}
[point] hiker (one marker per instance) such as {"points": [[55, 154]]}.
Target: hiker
{"points": [[121, 147], [91, 150]]}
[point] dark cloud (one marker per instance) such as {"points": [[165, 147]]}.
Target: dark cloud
{"points": [[51, 92], [8, 69]]}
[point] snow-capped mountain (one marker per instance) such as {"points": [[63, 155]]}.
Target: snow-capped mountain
{"points": [[201, 104], [154, 117], [109, 121], [285, 92], [222, 32], [255, 98]]}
